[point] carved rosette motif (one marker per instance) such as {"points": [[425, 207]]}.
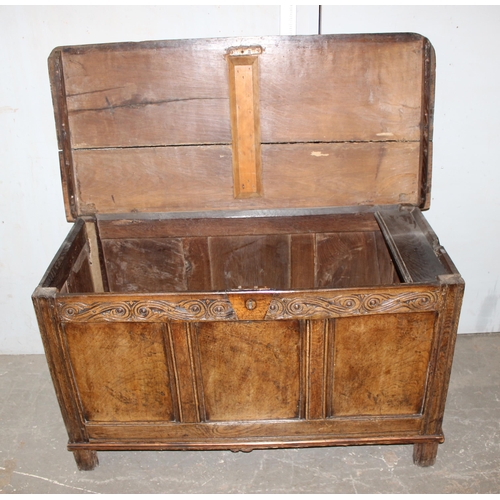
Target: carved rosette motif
{"points": [[148, 310], [355, 304]]}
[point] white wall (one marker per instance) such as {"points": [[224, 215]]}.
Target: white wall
{"points": [[32, 221], [465, 205], [464, 211]]}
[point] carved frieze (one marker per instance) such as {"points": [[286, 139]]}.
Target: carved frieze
{"points": [[220, 309], [148, 310], [353, 304]]}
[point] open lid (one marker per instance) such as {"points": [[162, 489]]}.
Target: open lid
{"points": [[244, 123]]}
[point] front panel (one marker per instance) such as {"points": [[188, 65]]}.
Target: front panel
{"points": [[236, 371]]}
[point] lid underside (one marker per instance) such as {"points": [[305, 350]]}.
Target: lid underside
{"points": [[243, 124]]}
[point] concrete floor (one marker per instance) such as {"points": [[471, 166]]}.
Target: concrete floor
{"points": [[33, 456]]}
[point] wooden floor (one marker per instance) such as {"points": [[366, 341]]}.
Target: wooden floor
{"points": [[33, 440]]}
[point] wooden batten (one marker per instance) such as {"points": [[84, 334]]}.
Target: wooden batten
{"points": [[245, 120]]}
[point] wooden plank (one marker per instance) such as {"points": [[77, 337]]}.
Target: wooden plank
{"points": [[331, 430], [247, 445], [346, 260], [197, 178], [60, 267], [342, 89], [381, 364], [145, 265], [59, 100], [245, 124], [94, 257], [250, 261], [129, 95], [80, 278], [316, 93], [341, 174], [428, 96], [216, 306], [332, 88], [164, 226], [302, 260]]}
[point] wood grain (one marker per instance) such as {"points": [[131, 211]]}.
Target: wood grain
{"points": [[344, 120], [381, 364], [245, 125], [351, 260], [59, 100], [96, 263], [62, 263], [250, 370], [165, 226], [55, 352], [424, 454], [250, 261], [302, 261], [180, 340], [319, 365], [294, 176], [80, 277], [411, 246], [121, 371], [274, 433], [332, 88], [152, 265]]}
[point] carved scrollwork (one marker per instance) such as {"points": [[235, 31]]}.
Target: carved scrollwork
{"points": [[148, 310], [351, 305]]}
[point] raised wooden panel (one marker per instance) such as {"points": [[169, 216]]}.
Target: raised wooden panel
{"points": [[250, 370], [121, 371], [381, 364]]}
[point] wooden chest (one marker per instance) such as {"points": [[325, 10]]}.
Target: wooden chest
{"points": [[248, 266]]}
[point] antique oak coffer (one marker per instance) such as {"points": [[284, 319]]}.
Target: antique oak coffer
{"points": [[249, 266]]}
